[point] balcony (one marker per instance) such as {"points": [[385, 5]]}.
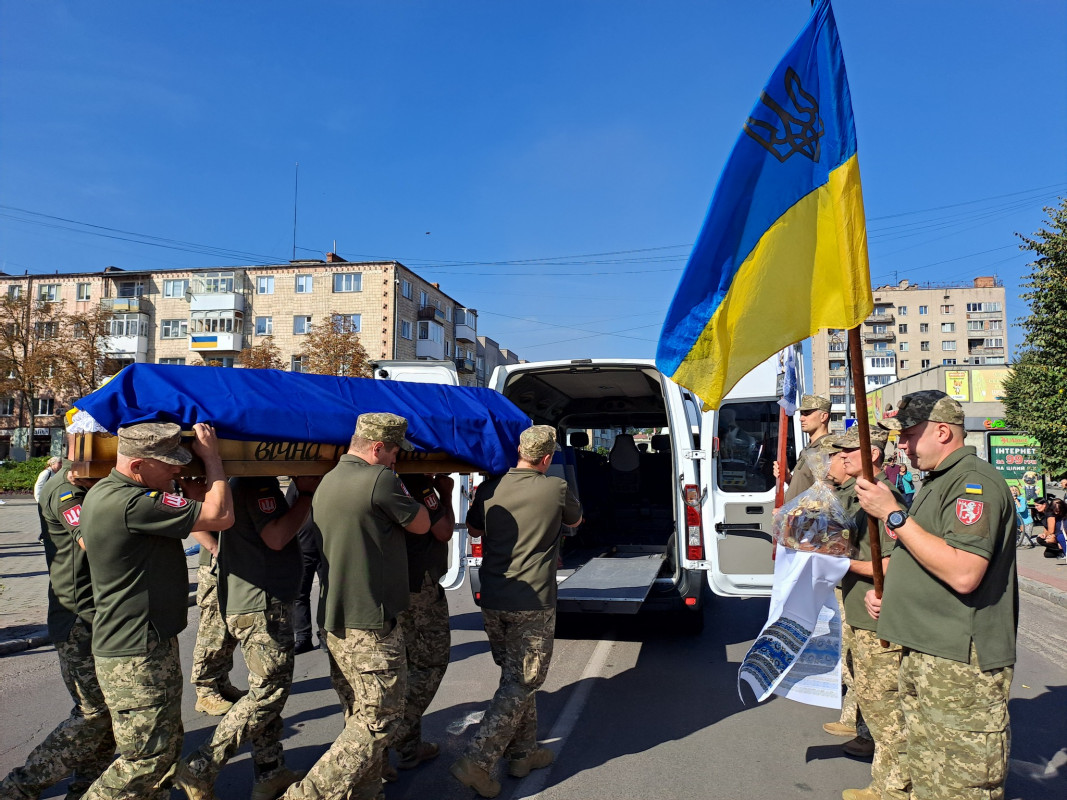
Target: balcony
{"points": [[223, 301], [875, 319], [431, 340], [839, 372], [122, 305], [466, 325], [985, 351], [216, 342], [888, 336], [985, 315], [465, 365], [879, 354], [432, 313]]}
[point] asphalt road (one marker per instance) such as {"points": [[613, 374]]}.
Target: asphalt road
{"points": [[634, 708]]}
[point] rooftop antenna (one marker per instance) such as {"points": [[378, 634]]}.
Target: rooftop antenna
{"points": [[296, 188]]}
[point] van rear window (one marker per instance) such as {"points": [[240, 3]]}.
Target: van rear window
{"points": [[748, 445]]}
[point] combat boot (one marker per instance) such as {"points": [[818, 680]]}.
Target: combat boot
{"points": [[538, 759], [424, 751], [839, 729], [195, 788], [276, 784], [213, 704], [859, 747], [472, 776]]}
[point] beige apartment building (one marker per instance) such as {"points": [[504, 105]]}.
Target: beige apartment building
{"points": [[193, 315], [914, 327]]}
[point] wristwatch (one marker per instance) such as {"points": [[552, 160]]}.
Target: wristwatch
{"points": [[896, 519]]}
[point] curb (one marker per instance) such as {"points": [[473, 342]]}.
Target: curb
{"points": [[1038, 589], [40, 640]]}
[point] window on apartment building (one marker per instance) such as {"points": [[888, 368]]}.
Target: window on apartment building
{"points": [[903, 347], [217, 282], [881, 362], [431, 331], [176, 288], [14, 291], [265, 284], [217, 322], [994, 342], [924, 310], [924, 364], [947, 308], [837, 365], [302, 323], [448, 313], [303, 284], [347, 323], [878, 380], [977, 325], [837, 399], [45, 330], [174, 362], [48, 292], [979, 307], [405, 288], [903, 364], [924, 346], [424, 299], [996, 324], [948, 362], [948, 344], [7, 406], [405, 329], [219, 361], [924, 327], [879, 311], [129, 325], [83, 292], [880, 329], [448, 349], [836, 347], [296, 364], [46, 407], [880, 345], [173, 329], [264, 326], [902, 311], [348, 282], [902, 328], [948, 327], [130, 289], [838, 383], [995, 360]]}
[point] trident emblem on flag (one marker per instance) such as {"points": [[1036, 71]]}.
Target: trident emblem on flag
{"points": [[799, 133]]}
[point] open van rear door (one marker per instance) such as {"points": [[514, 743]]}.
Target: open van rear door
{"points": [[740, 443]]}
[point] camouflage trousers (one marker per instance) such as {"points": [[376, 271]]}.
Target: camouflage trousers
{"points": [[82, 743], [213, 651], [877, 676], [521, 644], [956, 718], [144, 696], [369, 673], [429, 644], [851, 713], [266, 639]]}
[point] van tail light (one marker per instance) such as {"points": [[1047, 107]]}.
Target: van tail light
{"points": [[476, 548], [694, 524]]}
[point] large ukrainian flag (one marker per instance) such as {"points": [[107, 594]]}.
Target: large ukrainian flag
{"points": [[783, 249]]}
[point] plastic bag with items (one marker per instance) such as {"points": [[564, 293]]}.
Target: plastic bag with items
{"points": [[815, 521]]}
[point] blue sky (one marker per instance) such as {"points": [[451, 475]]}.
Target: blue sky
{"points": [[549, 163]]}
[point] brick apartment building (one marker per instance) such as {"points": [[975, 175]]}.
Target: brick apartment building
{"points": [[914, 327], [185, 316]]}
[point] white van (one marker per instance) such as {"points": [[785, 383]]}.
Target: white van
{"points": [[694, 507]]}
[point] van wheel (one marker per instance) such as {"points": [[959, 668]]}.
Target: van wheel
{"points": [[671, 561]]}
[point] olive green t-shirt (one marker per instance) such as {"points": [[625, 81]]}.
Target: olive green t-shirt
{"points": [[140, 577], [521, 513], [966, 502], [853, 586], [360, 511], [803, 477], [251, 574], [70, 588], [427, 555]]}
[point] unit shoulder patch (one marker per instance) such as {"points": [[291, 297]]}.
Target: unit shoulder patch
{"points": [[969, 511]]}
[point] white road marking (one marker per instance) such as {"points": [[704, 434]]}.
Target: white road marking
{"points": [[531, 786]]}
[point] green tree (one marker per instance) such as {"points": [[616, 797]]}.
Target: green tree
{"points": [[333, 348], [1034, 392]]}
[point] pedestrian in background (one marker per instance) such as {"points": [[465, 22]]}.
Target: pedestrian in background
{"points": [[518, 517], [1056, 528], [46, 474]]}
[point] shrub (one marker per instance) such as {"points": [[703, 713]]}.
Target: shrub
{"points": [[19, 476]]}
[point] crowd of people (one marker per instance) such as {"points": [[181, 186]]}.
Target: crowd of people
{"points": [[119, 599], [927, 662]]}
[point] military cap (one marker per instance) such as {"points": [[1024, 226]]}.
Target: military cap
{"points": [[828, 445], [383, 427], [917, 407], [814, 402], [536, 442], [158, 440], [850, 439]]}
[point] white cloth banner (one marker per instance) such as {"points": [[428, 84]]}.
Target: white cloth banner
{"points": [[798, 652]]}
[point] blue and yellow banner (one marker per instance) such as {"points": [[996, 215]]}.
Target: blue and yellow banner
{"points": [[205, 343], [783, 249]]}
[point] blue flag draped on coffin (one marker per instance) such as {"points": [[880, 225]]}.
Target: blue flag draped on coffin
{"points": [[479, 426], [783, 249]]}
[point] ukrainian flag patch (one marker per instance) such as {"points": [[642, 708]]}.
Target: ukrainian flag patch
{"points": [[66, 496], [974, 488]]}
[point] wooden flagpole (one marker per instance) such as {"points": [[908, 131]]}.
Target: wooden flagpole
{"points": [[783, 452], [859, 385]]}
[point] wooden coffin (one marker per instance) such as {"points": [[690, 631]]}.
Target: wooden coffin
{"points": [[94, 455]]}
